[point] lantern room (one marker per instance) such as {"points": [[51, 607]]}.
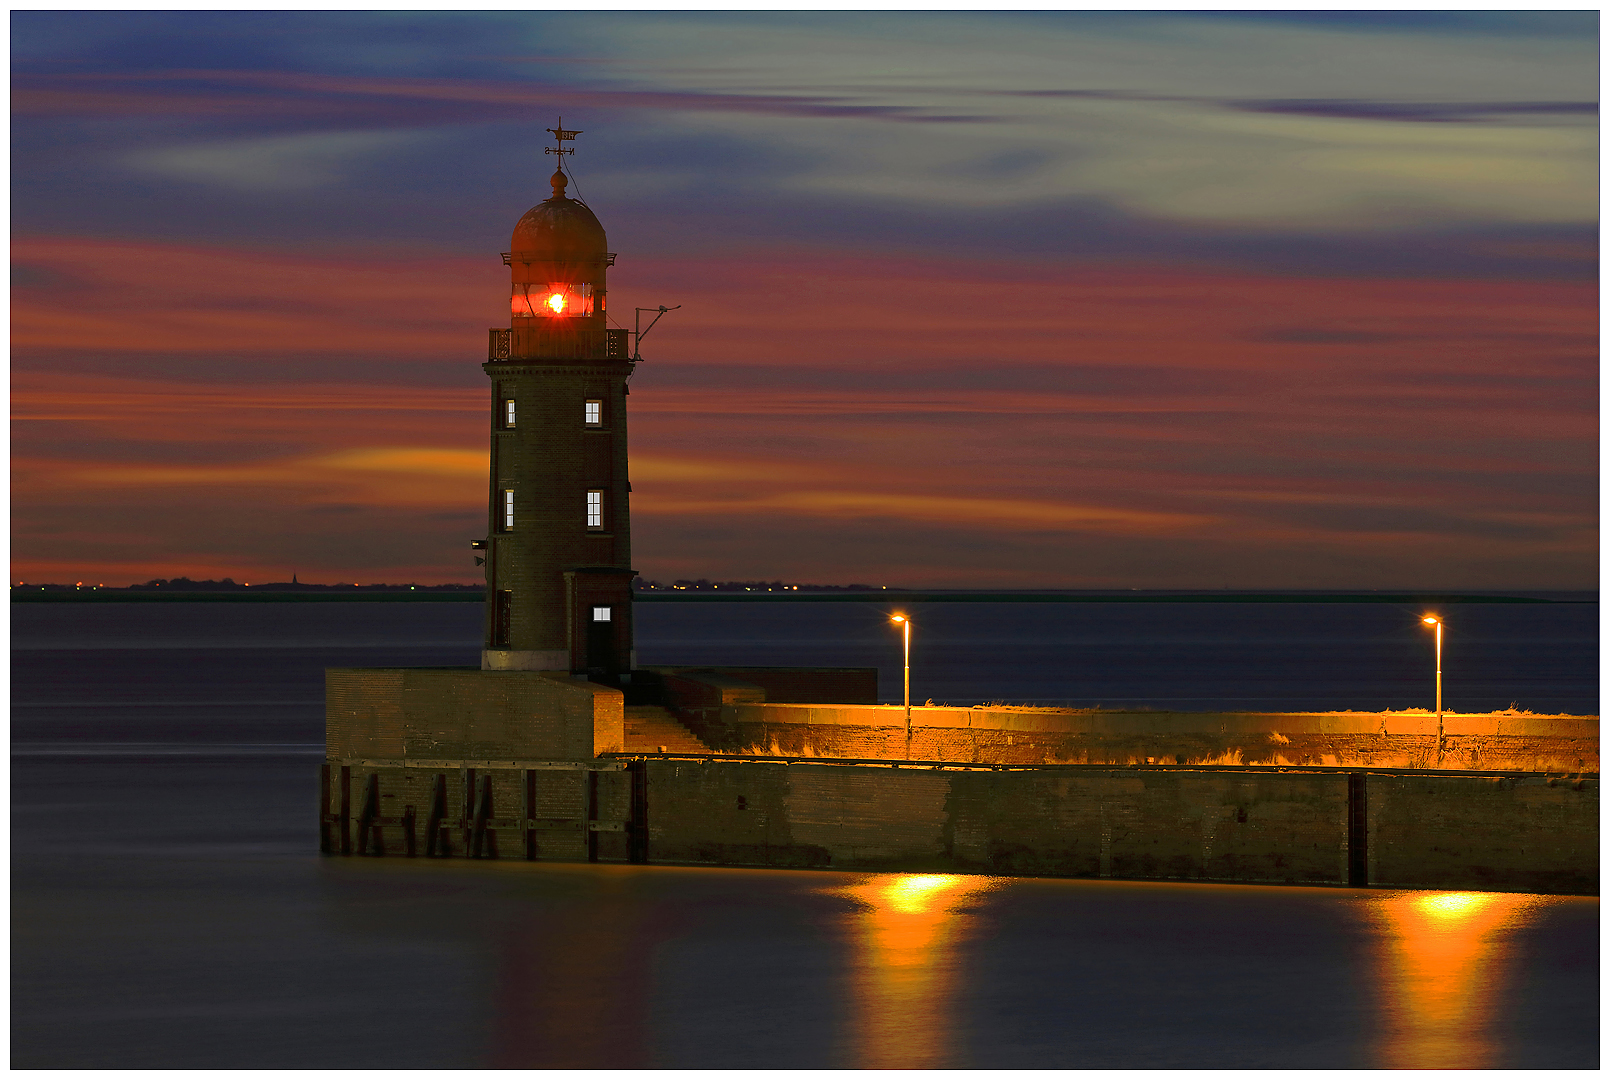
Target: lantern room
{"points": [[557, 259]]}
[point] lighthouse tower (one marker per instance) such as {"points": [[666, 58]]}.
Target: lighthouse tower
{"points": [[558, 545]]}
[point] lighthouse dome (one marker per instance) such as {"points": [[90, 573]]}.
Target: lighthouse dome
{"points": [[560, 229]]}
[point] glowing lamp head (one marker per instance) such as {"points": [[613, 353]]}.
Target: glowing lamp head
{"points": [[897, 618], [1431, 620]]}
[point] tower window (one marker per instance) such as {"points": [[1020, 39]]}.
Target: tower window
{"points": [[508, 510], [594, 413], [595, 509], [601, 614], [507, 415]]}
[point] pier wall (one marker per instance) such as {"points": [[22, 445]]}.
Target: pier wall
{"points": [[1450, 831], [1483, 832], [1007, 735]]}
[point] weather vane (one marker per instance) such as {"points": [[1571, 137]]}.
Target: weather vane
{"points": [[561, 136]]}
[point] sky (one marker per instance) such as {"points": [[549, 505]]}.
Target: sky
{"points": [[1010, 300]]}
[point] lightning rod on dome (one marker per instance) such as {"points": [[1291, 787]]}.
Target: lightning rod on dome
{"points": [[562, 135]]}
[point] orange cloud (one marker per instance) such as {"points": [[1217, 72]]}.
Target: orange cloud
{"points": [[389, 476], [1010, 514], [134, 298], [1341, 426]]}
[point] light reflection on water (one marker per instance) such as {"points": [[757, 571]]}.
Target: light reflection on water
{"points": [[1443, 962], [911, 926], [1444, 958]]}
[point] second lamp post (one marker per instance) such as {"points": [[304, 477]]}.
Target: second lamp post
{"points": [[1432, 620], [905, 625]]}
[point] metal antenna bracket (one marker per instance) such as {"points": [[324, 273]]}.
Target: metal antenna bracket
{"points": [[640, 330]]}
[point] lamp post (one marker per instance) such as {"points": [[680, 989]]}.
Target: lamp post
{"points": [[1432, 620], [905, 626]]}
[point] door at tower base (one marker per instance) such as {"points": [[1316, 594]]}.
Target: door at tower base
{"points": [[598, 630], [598, 610]]}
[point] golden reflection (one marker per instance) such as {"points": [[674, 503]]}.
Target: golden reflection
{"points": [[905, 970], [1443, 957]]}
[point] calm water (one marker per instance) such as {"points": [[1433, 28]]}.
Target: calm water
{"points": [[168, 910]]}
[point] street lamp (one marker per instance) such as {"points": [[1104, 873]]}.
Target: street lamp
{"points": [[1432, 620], [905, 626]]}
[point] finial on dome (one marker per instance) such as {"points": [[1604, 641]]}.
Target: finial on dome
{"points": [[561, 135]]}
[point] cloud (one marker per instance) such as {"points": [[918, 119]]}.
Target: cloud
{"points": [[1186, 163], [957, 404], [278, 163], [657, 468], [1173, 119], [997, 514], [367, 476], [151, 297], [1419, 112], [182, 93]]}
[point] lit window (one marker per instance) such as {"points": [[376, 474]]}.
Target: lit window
{"points": [[508, 509], [508, 412], [595, 509], [594, 413], [601, 614]]}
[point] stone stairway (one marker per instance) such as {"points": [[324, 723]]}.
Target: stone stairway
{"points": [[651, 729]]}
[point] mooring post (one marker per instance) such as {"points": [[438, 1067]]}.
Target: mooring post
{"points": [[436, 830], [467, 810], [531, 814], [590, 813], [637, 826], [485, 844], [368, 818], [345, 818], [324, 808], [1358, 830]]}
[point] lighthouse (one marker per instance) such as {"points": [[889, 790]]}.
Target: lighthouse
{"points": [[558, 550], [524, 756]]}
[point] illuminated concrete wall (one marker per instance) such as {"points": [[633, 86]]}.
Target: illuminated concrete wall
{"points": [[1489, 741]]}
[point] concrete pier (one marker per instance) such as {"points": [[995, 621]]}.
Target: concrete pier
{"points": [[532, 765]]}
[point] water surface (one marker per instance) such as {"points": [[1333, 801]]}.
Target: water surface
{"points": [[169, 910]]}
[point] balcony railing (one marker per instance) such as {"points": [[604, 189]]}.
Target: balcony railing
{"points": [[522, 344]]}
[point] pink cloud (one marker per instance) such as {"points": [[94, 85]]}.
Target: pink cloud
{"points": [[1225, 422]]}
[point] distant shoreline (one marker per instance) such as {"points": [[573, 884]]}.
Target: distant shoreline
{"points": [[913, 596]]}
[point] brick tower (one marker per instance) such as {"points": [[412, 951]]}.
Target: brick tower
{"points": [[558, 547]]}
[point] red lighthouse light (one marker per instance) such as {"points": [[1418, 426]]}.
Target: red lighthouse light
{"points": [[551, 300]]}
